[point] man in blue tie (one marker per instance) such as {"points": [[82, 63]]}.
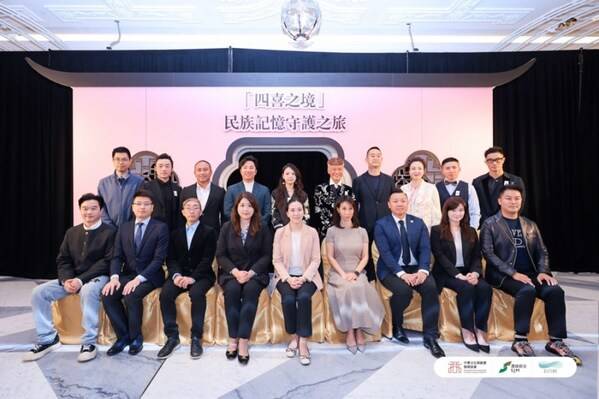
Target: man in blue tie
{"points": [[403, 265], [135, 270]]}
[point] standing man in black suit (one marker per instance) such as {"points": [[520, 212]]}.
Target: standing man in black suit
{"points": [[140, 248], [488, 185], [211, 196], [189, 261], [372, 189], [166, 193]]}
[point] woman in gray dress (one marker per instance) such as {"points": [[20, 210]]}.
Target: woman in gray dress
{"points": [[355, 304]]}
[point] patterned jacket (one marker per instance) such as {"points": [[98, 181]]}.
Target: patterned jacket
{"points": [[325, 196]]}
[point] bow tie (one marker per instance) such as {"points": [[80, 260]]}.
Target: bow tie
{"points": [[451, 183]]}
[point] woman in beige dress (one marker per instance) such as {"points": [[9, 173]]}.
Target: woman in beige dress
{"points": [[355, 304], [423, 197]]}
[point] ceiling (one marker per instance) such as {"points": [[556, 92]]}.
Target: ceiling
{"points": [[347, 25]]}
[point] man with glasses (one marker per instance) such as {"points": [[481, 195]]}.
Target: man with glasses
{"points": [[140, 248], [189, 261], [488, 185], [118, 188]]}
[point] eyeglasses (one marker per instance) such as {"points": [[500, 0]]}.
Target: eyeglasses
{"points": [[139, 204], [494, 160]]}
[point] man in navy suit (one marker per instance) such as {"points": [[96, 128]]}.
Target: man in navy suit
{"points": [[140, 248], [403, 266], [248, 168]]}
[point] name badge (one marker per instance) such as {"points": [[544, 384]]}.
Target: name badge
{"points": [[457, 193], [507, 182], [175, 193]]}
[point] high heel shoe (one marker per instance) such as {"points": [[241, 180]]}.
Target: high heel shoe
{"points": [[473, 347], [243, 359], [291, 350], [484, 348], [305, 360], [231, 354], [352, 348], [362, 347]]}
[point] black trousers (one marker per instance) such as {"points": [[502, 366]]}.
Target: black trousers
{"points": [[127, 325], [297, 307], [402, 295], [524, 294], [197, 293], [241, 303], [474, 302]]}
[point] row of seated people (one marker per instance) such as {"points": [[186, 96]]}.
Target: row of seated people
{"points": [[245, 250]]}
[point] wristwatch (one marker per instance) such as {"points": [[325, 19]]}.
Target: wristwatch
{"points": [[357, 273]]}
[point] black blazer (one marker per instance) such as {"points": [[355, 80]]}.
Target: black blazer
{"points": [[195, 262], [444, 252], [89, 260], [488, 204], [148, 262], [255, 255], [159, 212], [212, 214], [372, 207]]}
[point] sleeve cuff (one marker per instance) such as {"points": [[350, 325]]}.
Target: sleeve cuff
{"points": [[424, 271], [141, 278], [399, 274], [114, 277], [176, 275]]}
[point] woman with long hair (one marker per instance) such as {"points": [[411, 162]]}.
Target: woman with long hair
{"points": [[290, 187], [243, 253], [457, 266]]}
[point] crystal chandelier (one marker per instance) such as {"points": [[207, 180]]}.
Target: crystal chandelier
{"points": [[300, 20]]}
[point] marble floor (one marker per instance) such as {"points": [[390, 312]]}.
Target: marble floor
{"points": [[386, 370]]}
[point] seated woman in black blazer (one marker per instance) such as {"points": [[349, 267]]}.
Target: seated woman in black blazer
{"points": [[243, 253], [457, 266]]}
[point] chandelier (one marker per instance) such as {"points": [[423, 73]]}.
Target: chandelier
{"points": [[300, 20]]}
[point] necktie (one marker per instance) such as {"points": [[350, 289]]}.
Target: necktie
{"points": [[405, 244], [138, 236]]}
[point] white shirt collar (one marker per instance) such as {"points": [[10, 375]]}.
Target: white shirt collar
{"points": [[332, 183], [94, 226], [398, 219], [248, 186]]}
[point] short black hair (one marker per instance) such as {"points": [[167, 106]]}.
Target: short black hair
{"points": [[449, 159], [491, 150], [374, 147], [164, 155], [91, 197], [143, 193], [248, 158], [397, 190], [511, 187], [123, 150]]}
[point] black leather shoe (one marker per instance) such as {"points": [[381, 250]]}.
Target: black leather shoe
{"points": [[243, 359], [484, 348], [136, 345], [432, 345], [117, 347], [196, 348], [400, 335], [172, 343]]}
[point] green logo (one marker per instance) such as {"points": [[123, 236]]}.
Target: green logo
{"points": [[505, 367]]}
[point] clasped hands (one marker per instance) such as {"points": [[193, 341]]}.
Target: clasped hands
{"points": [[414, 279]]}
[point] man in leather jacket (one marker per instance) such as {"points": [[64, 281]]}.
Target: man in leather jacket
{"points": [[518, 264]]}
